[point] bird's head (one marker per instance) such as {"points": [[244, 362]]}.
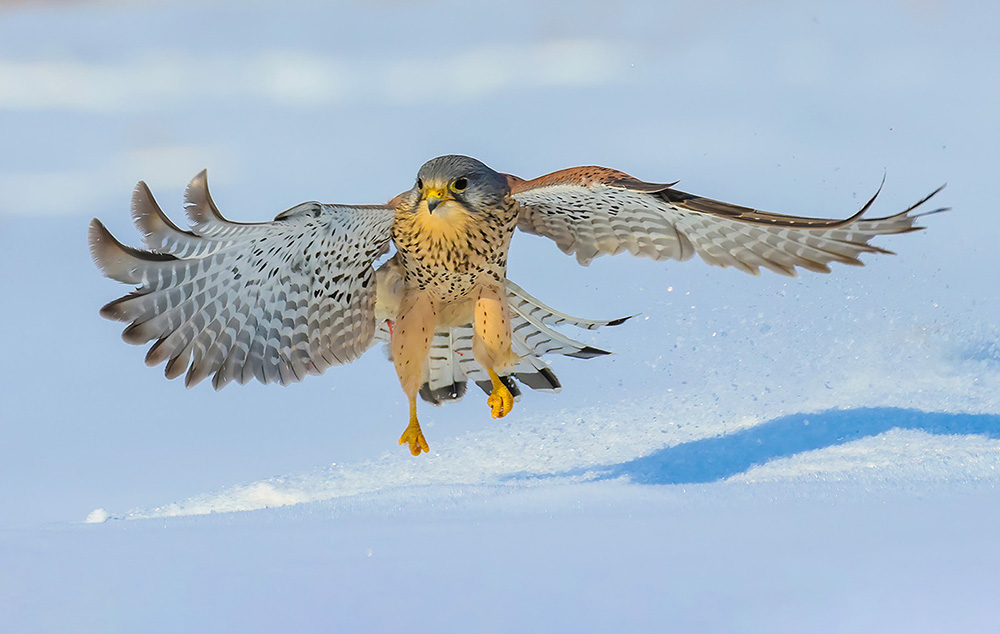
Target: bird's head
{"points": [[456, 184]]}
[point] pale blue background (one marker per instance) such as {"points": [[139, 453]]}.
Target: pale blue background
{"points": [[798, 107]]}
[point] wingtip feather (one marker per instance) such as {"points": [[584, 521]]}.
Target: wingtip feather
{"points": [[154, 225], [110, 255], [198, 204]]}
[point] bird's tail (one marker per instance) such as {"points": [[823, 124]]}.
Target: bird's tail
{"points": [[451, 364]]}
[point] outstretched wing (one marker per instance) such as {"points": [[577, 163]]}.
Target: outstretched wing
{"points": [[591, 211], [273, 301]]}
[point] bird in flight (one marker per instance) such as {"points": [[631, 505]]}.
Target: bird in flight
{"points": [[277, 301]]}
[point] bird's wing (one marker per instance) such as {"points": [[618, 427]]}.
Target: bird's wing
{"points": [[273, 301], [591, 211]]}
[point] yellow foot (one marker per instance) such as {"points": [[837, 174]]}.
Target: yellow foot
{"points": [[500, 401], [415, 438], [412, 435]]}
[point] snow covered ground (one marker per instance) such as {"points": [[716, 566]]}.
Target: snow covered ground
{"points": [[820, 454]]}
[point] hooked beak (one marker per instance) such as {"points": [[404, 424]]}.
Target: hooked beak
{"points": [[434, 197]]}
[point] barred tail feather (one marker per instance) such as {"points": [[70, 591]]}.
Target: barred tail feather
{"points": [[446, 378], [451, 365], [524, 304]]}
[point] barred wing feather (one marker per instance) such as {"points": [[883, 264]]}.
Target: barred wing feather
{"points": [[591, 211], [274, 301]]}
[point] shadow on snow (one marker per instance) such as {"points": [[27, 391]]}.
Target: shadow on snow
{"points": [[712, 459]]}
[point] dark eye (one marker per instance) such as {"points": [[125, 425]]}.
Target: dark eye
{"points": [[420, 184], [459, 184]]}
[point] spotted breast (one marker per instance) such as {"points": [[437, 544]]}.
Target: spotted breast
{"points": [[455, 248]]}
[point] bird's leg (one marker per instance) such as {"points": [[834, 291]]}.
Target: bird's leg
{"points": [[491, 345], [413, 435], [411, 342], [500, 400]]}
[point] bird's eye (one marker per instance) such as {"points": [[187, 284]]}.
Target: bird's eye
{"points": [[420, 184], [459, 184]]}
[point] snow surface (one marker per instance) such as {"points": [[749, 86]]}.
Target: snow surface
{"points": [[818, 454]]}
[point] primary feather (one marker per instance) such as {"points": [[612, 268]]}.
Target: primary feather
{"points": [[273, 301], [595, 211]]}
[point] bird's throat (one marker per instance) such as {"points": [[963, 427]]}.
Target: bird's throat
{"points": [[449, 222]]}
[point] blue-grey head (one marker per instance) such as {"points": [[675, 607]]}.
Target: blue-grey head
{"points": [[461, 179]]}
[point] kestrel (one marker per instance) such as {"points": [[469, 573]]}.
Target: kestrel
{"points": [[277, 301]]}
